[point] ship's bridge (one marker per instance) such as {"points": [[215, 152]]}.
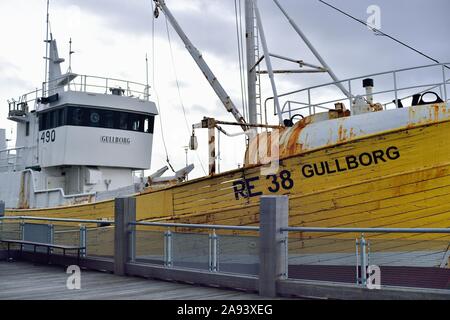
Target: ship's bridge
{"points": [[79, 138], [88, 121], [88, 124], [79, 135]]}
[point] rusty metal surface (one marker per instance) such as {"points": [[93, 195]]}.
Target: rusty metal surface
{"points": [[316, 132]]}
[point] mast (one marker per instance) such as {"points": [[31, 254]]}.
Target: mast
{"points": [[70, 56], [198, 58], [268, 61], [251, 60], [47, 41], [147, 87]]}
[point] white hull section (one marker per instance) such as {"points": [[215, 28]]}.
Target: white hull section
{"points": [[26, 189]]}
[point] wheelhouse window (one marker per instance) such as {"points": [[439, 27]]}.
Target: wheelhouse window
{"points": [[108, 120], [61, 117], [94, 117], [123, 121], [76, 116]]}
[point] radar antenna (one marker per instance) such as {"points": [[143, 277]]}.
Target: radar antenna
{"points": [[70, 56]]}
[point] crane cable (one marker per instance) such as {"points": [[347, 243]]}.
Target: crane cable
{"points": [[378, 31], [179, 91], [156, 93]]}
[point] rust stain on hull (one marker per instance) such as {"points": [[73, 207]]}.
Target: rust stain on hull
{"points": [[23, 197]]}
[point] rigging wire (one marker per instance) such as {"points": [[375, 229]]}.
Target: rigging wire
{"points": [[238, 21], [244, 73], [379, 32], [244, 70], [156, 92], [179, 91], [176, 76]]}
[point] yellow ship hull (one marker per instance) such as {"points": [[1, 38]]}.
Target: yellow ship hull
{"points": [[399, 178]]}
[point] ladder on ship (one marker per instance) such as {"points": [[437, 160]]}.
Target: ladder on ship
{"points": [[259, 112]]}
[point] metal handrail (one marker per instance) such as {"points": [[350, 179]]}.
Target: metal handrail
{"points": [[82, 81], [12, 149], [195, 226], [362, 95], [366, 230], [394, 73], [366, 76], [243, 228], [56, 219], [305, 106]]}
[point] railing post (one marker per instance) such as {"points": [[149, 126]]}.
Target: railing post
{"points": [[125, 212], [210, 253], [285, 243], [351, 95], [22, 230], [274, 214], [357, 261], [83, 242], [363, 244], [395, 89], [445, 83], [51, 233], [168, 248], [213, 249], [132, 243], [2, 208]]}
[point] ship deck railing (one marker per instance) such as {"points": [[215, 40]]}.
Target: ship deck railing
{"points": [[413, 262], [395, 85], [79, 83], [11, 159]]}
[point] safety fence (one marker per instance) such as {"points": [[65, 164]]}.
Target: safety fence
{"points": [[272, 258], [96, 235]]}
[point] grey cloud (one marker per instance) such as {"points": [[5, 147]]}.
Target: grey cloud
{"points": [[9, 82], [9, 77], [349, 47], [6, 66], [182, 84], [205, 27], [199, 108], [217, 110]]}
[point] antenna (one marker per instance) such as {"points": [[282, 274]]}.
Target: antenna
{"points": [[47, 41], [70, 56], [147, 87]]}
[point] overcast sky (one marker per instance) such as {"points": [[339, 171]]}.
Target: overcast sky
{"points": [[111, 38]]}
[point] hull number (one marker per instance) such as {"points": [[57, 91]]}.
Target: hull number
{"points": [[246, 189], [283, 181], [48, 136]]}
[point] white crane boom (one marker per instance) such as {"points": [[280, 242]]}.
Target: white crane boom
{"points": [[198, 58]]}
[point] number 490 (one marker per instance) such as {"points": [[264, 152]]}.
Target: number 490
{"points": [[48, 136]]}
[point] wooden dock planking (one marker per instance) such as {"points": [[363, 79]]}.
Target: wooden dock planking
{"points": [[25, 281]]}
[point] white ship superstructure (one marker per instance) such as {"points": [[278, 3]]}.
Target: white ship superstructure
{"points": [[79, 139]]}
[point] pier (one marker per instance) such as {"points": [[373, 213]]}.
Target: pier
{"points": [[25, 281], [129, 259]]}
